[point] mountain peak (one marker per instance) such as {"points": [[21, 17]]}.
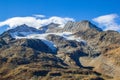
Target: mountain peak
{"points": [[23, 30], [80, 26], [50, 27]]}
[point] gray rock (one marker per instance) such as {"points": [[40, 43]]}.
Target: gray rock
{"points": [[80, 26]]}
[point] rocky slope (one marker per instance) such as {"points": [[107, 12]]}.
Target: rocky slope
{"points": [[80, 26], [79, 51]]}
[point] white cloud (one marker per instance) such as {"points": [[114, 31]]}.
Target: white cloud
{"points": [[40, 16], [35, 22], [108, 22], [16, 21]]}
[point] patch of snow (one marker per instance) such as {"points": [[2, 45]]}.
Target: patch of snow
{"points": [[66, 35], [50, 44], [69, 36], [41, 37], [15, 34]]}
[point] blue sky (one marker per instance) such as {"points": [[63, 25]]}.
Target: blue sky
{"points": [[77, 9]]}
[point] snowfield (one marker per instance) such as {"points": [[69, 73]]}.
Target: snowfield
{"points": [[66, 35]]}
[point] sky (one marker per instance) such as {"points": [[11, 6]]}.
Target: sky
{"points": [[96, 11]]}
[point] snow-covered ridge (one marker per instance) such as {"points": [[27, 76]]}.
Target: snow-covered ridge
{"points": [[66, 35], [23, 31]]}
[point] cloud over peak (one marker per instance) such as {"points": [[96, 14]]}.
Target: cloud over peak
{"points": [[108, 22], [35, 21]]}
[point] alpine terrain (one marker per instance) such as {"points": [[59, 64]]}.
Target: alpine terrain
{"points": [[77, 51]]}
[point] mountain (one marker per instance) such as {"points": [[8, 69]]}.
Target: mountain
{"points": [[78, 51], [80, 26], [50, 27], [23, 30]]}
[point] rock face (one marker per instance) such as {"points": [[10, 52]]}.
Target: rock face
{"points": [[86, 53], [80, 26], [52, 27], [103, 42]]}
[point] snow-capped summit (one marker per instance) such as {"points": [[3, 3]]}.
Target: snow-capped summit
{"points": [[23, 31]]}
